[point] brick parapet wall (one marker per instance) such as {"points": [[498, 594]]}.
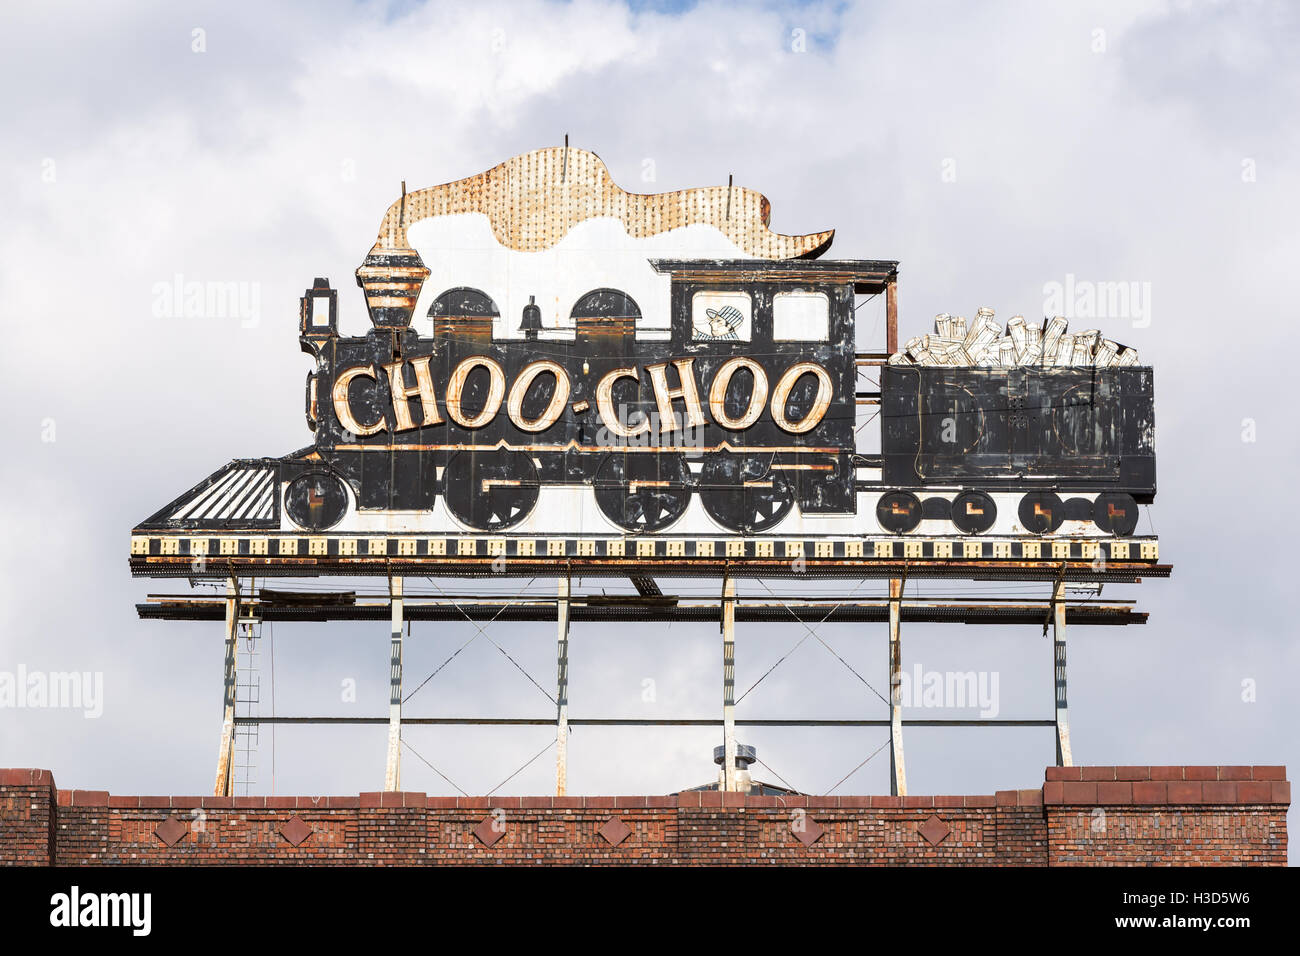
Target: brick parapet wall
{"points": [[26, 817], [1232, 815]]}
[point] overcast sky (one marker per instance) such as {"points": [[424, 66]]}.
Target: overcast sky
{"points": [[992, 149]]}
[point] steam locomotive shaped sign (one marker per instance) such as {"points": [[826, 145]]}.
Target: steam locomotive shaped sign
{"points": [[568, 358], [487, 424]]}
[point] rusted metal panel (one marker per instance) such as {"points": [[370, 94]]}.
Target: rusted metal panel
{"points": [[533, 200]]}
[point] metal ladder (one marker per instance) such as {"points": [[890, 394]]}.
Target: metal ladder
{"points": [[248, 691]]}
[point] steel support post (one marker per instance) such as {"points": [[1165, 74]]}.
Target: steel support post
{"points": [[226, 754], [562, 689], [897, 769], [891, 316], [1063, 756], [729, 684], [393, 765]]}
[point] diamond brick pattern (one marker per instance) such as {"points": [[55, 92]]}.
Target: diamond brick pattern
{"points": [[171, 830], [615, 831], [296, 830], [807, 830], [489, 831], [934, 831]]}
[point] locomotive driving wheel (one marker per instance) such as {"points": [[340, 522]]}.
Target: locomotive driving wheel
{"points": [[490, 490], [643, 491], [744, 494]]}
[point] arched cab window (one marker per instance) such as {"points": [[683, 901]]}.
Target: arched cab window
{"points": [[463, 312], [606, 312]]}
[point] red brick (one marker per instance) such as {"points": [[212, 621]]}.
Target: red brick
{"points": [[1149, 792], [1079, 792], [599, 803], [949, 801], [1268, 773], [1282, 791], [280, 803], [559, 803], [215, 803], [535, 803], [159, 802], [344, 803], [178, 803], [450, 803], [629, 801], [1008, 798], [1117, 792], [1185, 791], [988, 800], [506, 803], [886, 802], [689, 798], [824, 801], [1168, 773], [241, 803], [415, 799], [1029, 798], [1132, 773], [471, 803], [1255, 791], [1064, 773], [1235, 773], [710, 798], [371, 799], [1097, 773], [26, 777], [1200, 773], [918, 802], [661, 801], [1219, 792], [1053, 792], [64, 798], [860, 801]]}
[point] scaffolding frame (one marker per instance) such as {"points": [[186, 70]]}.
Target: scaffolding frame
{"points": [[247, 608]]}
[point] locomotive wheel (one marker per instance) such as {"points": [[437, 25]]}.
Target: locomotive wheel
{"points": [[744, 494], [973, 512], [641, 491], [490, 490], [1041, 512], [1115, 513]]}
